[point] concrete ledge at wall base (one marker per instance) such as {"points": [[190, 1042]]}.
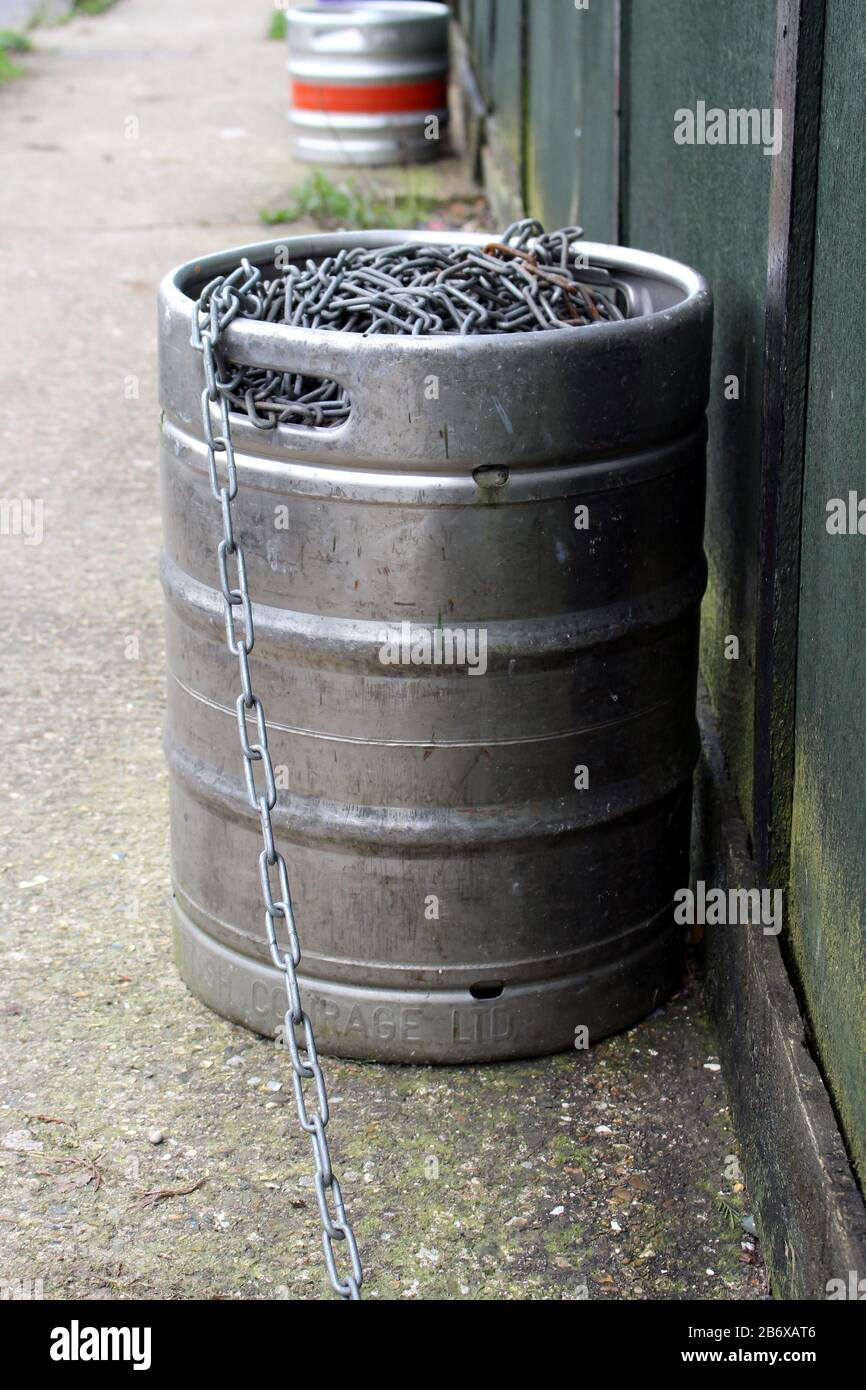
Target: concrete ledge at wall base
{"points": [[21, 14], [810, 1214]]}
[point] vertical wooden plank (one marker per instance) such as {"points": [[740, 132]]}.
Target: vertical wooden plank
{"points": [[464, 14], [828, 855], [507, 76], [707, 205], [572, 162], [598, 42], [797, 94], [480, 25], [554, 119], [504, 163]]}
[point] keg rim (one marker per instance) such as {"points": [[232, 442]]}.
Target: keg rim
{"points": [[370, 15], [180, 287], [610, 386]]}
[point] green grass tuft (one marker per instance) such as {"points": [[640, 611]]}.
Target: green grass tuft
{"points": [[7, 67], [318, 199], [11, 41], [91, 6], [728, 1209], [278, 25]]}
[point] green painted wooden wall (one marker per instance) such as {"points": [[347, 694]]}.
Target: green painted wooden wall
{"points": [[828, 856], [547, 73], [707, 205], [571, 151], [496, 30], [586, 99]]}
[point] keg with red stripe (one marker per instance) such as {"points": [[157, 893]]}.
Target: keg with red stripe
{"points": [[368, 84]]}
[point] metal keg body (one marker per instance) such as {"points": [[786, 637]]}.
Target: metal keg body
{"points": [[461, 891]]}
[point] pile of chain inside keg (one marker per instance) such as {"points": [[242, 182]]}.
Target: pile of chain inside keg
{"points": [[525, 281]]}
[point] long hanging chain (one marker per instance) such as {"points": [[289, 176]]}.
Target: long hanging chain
{"points": [[220, 302], [525, 281]]}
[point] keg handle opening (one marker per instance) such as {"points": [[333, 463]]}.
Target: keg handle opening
{"points": [[279, 347], [492, 989]]}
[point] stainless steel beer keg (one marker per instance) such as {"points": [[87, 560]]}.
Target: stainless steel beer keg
{"points": [[476, 610], [368, 84]]}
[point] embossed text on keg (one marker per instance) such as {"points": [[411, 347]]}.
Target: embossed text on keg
{"points": [[384, 1022], [474, 1025], [412, 644]]}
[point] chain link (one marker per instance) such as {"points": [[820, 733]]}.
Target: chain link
{"points": [[219, 303]]}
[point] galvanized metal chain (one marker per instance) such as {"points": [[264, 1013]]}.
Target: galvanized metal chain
{"points": [[219, 303], [522, 282]]}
